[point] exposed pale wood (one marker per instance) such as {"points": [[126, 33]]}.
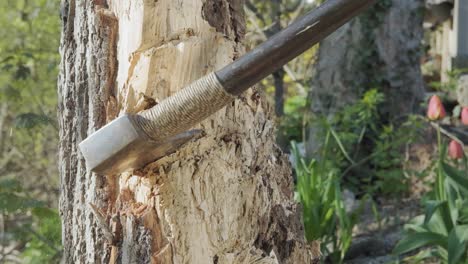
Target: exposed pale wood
{"points": [[226, 198]]}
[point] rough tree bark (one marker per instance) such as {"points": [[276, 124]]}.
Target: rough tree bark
{"points": [[379, 49], [225, 198]]}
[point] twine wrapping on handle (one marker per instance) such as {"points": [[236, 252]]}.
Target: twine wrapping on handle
{"points": [[184, 109]]}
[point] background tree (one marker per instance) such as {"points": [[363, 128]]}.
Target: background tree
{"points": [[226, 198], [381, 50]]}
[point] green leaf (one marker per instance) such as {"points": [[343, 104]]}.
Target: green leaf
{"points": [[7, 59], [28, 55], [457, 176], [7, 66], [10, 203], [10, 185], [463, 211], [30, 120], [431, 208], [415, 228], [457, 244], [421, 256], [9, 93], [32, 203], [437, 225], [22, 72], [340, 144], [456, 111], [446, 216], [43, 212], [417, 240]]}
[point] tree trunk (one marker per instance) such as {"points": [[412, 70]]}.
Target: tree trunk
{"points": [[379, 49], [225, 198]]}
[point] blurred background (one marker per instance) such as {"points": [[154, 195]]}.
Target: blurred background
{"points": [[29, 221], [378, 179]]}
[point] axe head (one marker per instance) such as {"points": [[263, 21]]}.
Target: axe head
{"points": [[121, 145]]}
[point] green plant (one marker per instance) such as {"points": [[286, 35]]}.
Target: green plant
{"points": [[444, 226], [452, 80], [29, 183], [366, 151], [387, 159], [443, 229], [292, 124], [39, 232], [319, 191]]}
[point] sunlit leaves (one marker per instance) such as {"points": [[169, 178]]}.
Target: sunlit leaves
{"points": [[319, 191], [29, 58], [9, 93]]}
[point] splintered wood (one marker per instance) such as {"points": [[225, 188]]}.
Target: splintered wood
{"points": [[225, 198], [217, 198]]}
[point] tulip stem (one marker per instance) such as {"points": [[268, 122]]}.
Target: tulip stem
{"points": [[440, 190]]}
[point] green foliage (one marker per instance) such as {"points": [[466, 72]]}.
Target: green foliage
{"points": [[45, 241], [325, 217], [292, 125], [387, 159], [366, 151], [29, 60], [41, 233], [320, 182], [355, 120], [30, 120], [443, 229], [452, 82]]}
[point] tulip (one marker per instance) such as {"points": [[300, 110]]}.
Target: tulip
{"points": [[436, 109], [455, 150], [464, 116]]}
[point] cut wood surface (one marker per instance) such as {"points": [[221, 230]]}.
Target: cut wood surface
{"points": [[225, 198]]}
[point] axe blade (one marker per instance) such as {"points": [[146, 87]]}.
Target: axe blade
{"points": [[121, 145]]}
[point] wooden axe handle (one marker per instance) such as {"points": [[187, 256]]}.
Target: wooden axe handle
{"points": [[209, 94], [289, 43]]}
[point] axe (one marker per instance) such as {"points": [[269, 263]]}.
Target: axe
{"points": [[134, 140]]}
